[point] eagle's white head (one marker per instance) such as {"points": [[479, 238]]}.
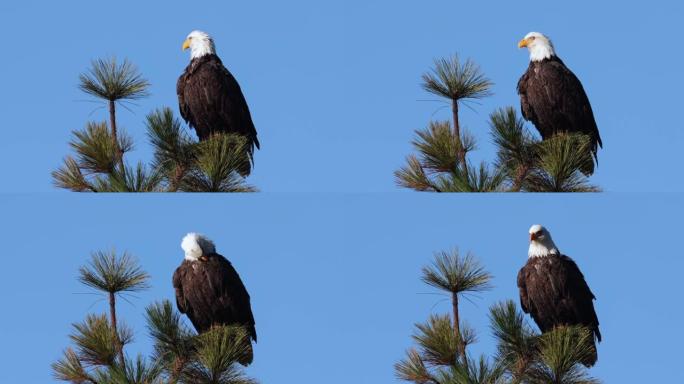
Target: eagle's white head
{"points": [[196, 245], [540, 46], [200, 44], [541, 243]]}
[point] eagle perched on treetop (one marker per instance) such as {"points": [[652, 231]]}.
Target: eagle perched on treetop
{"points": [[552, 97], [209, 97]]}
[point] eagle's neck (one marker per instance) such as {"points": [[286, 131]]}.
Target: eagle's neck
{"points": [[202, 48], [538, 249], [541, 52]]}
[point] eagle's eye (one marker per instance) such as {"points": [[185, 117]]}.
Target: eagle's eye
{"points": [[531, 38]]}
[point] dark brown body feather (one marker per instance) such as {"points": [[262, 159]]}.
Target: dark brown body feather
{"points": [[211, 293], [554, 292], [553, 99], [210, 100]]}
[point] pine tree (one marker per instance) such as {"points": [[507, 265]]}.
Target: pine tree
{"points": [[180, 163], [524, 162], [180, 355], [523, 355]]}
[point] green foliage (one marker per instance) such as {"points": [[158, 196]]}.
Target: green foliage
{"points": [[439, 167], [516, 341], [517, 147], [562, 161], [106, 79], [437, 342], [439, 147], [127, 179], [472, 179], [561, 355], [523, 163], [454, 80], [455, 274], [93, 339], [219, 166], [473, 372], [134, 372], [95, 349], [217, 355], [173, 341], [112, 274], [70, 369], [174, 151]]}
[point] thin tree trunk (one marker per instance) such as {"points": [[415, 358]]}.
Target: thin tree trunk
{"points": [[112, 123], [178, 366], [115, 333], [457, 327], [115, 135], [519, 177], [177, 177], [457, 132]]}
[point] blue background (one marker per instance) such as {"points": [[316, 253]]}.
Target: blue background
{"points": [[335, 280], [334, 86]]}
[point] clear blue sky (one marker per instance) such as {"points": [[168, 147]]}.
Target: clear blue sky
{"points": [[335, 279], [334, 85]]}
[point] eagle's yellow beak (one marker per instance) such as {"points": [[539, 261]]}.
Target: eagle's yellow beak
{"points": [[186, 44], [522, 43]]}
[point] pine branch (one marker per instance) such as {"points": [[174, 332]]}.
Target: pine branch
{"points": [[69, 368], [173, 342], [134, 372], [470, 179], [517, 147], [474, 372], [112, 82], [129, 179], [108, 80], [174, 151], [94, 342], [439, 147], [413, 369], [454, 80], [69, 176], [220, 164], [516, 341], [413, 176], [457, 276], [562, 160], [93, 145], [438, 344], [561, 355], [219, 353], [112, 274]]}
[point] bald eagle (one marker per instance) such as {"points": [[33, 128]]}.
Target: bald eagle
{"points": [[552, 97], [553, 290], [209, 97], [209, 290]]}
